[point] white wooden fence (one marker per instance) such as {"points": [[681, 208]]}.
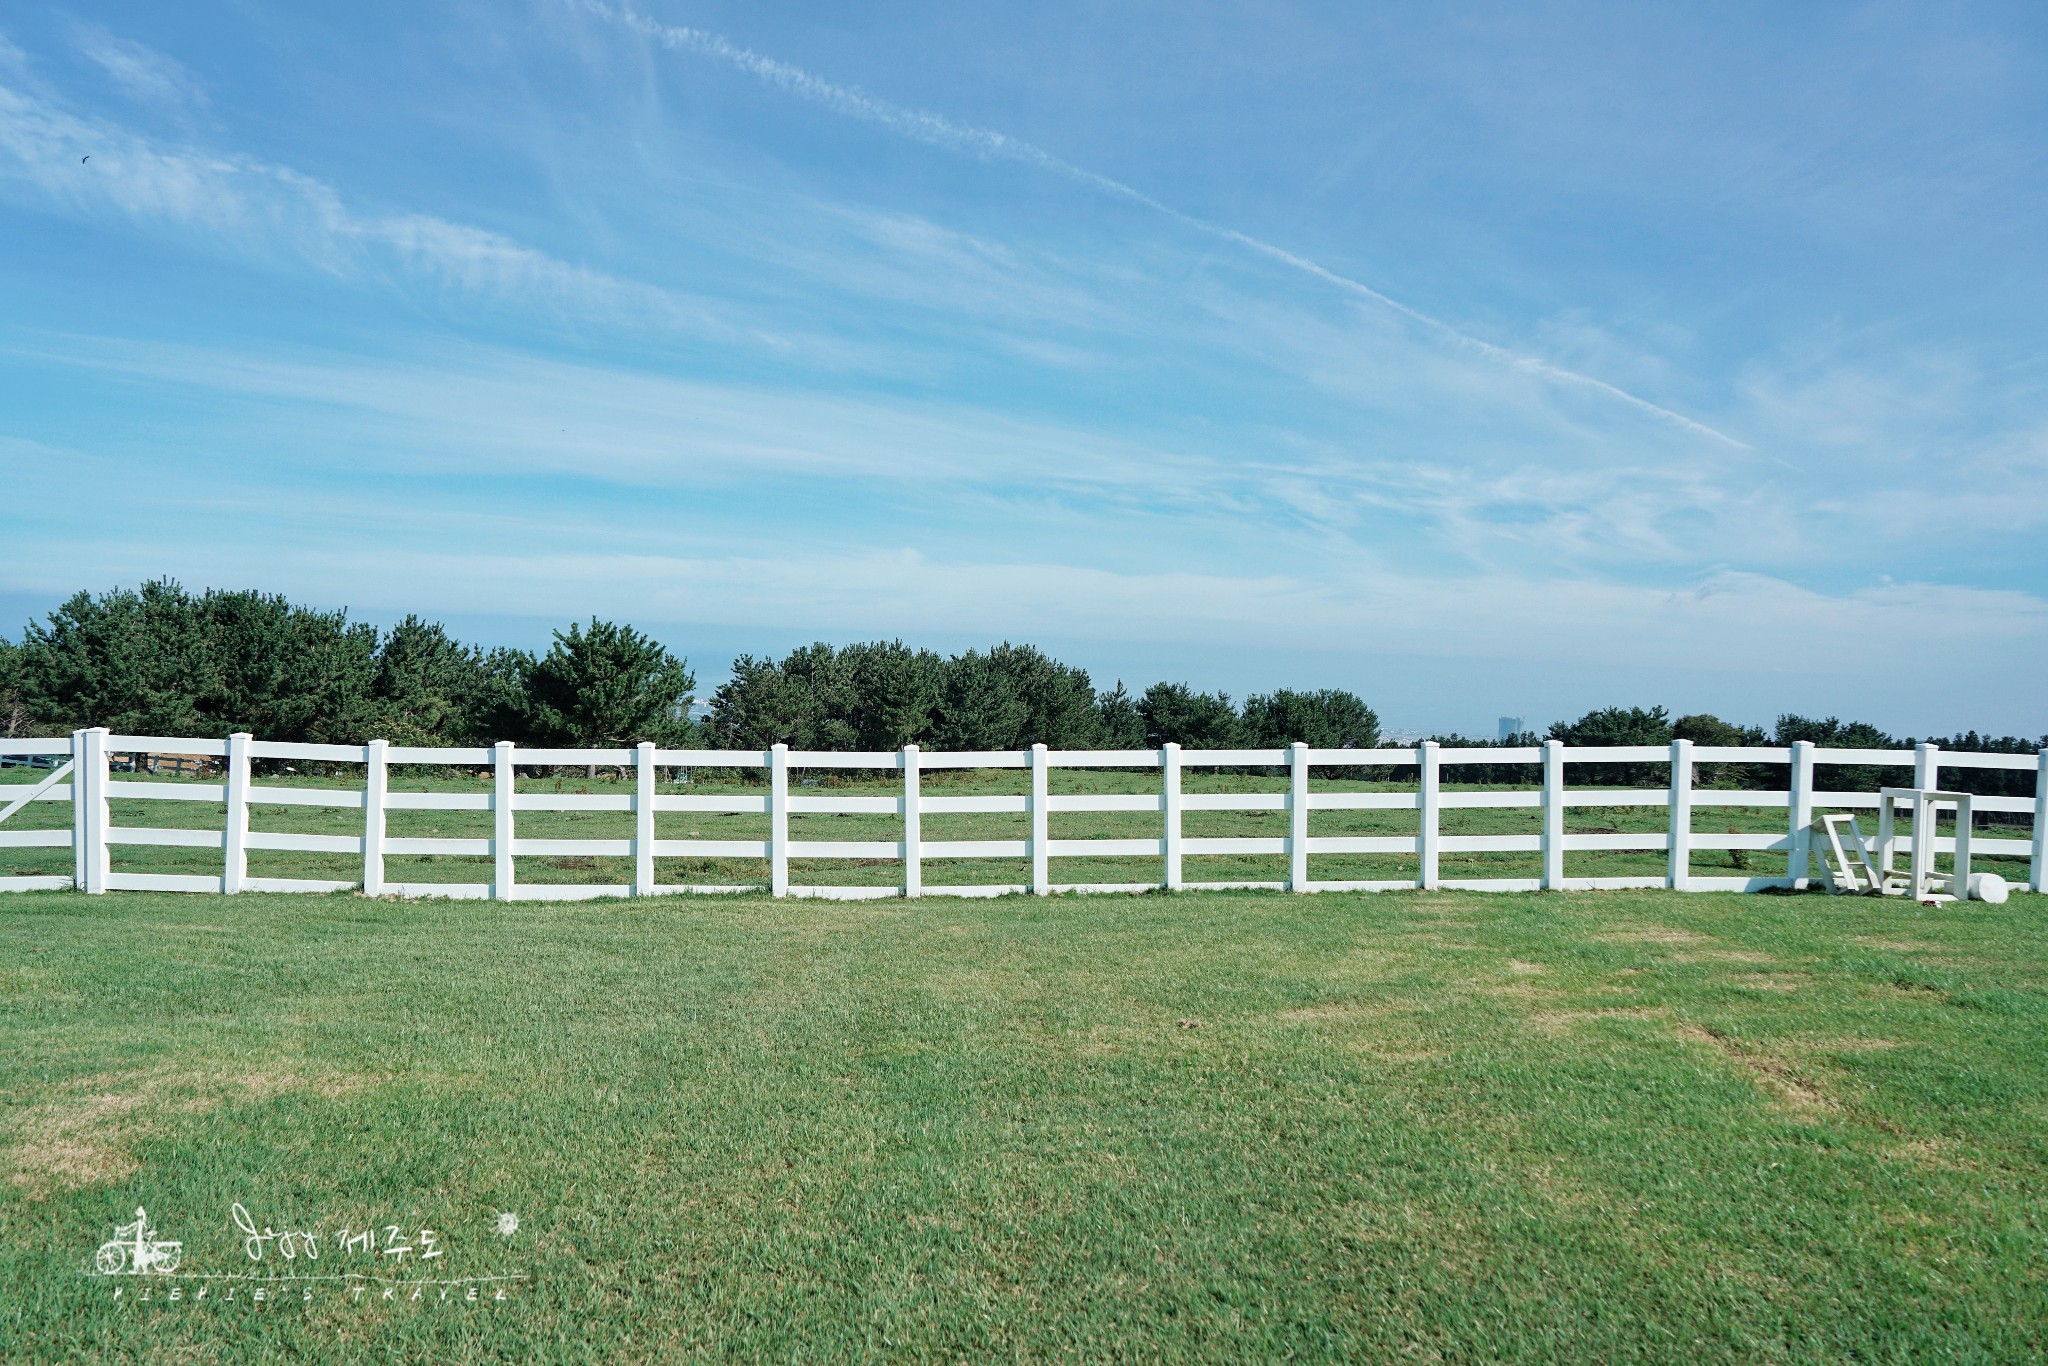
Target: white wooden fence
{"points": [[85, 779]]}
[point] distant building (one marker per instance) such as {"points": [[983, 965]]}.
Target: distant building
{"points": [[1510, 727]]}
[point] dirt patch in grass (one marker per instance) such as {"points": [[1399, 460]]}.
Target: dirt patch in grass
{"points": [[88, 1131], [70, 1144], [1436, 943], [1453, 1239], [1770, 981], [1938, 1154], [1525, 969], [1775, 1075], [1422, 909], [1720, 956], [1562, 1021], [1896, 988], [1651, 934], [1334, 1011], [1366, 964], [1521, 991], [1568, 1192], [1853, 1045], [1381, 1051], [1371, 1044]]}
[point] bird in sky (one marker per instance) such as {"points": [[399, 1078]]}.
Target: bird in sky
{"points": [[87, 157]]}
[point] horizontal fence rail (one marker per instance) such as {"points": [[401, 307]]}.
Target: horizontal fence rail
{"points": [[81, 769]]}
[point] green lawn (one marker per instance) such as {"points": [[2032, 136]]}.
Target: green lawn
{"points": [[1225, 1126]]}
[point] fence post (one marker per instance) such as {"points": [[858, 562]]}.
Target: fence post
{"points": [[1926, 765], [643, 819], [778, 820], [99, 815], [1800, 844], [502, 788], [1553, 815], [1679, 875], [1926, 775], [376, 787], [1041, 862], [235, 838], [913, 824], [1297, 817], [89, 819], [1429, 797], [80, 799], [1965, 819], [1921, 861], [1169, 769], [2037, 873]]}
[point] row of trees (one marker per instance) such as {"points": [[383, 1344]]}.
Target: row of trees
{"points": [[884, 695], [1656, 726], [159, 660]]}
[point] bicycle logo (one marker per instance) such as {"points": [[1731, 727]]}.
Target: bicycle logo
{"points": [[135, 1250]]}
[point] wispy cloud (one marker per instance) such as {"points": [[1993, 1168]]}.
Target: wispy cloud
{"points": [[257, 209], [503, 417], [1717, 622], [937, 131], [141, 72]]}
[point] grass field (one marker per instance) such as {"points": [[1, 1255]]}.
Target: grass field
{"points": [[1226, 1126], [1707, 821]]}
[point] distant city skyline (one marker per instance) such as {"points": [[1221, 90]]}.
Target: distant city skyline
{"points": [[1592, 355]]}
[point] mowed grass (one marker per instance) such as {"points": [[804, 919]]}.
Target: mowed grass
{"points": [[1224, 1126]]}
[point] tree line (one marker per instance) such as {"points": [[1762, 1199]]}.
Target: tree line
{"points": [[160, 660], [1656, 726]]}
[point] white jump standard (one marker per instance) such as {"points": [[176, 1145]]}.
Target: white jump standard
{"points": [[1874, 871]]}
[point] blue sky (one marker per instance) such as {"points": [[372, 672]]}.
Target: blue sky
{"points": [[1483, 359]]}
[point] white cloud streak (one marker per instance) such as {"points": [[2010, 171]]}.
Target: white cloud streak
{"points": [[937, 131], [477, 410], [1721, 622], [487, 413], [255, 208], [141, 72]]}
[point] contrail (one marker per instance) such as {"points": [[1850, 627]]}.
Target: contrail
{"points": [[937, 131]]}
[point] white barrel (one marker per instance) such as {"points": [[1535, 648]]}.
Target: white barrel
{"points": [[1989, 888]]}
